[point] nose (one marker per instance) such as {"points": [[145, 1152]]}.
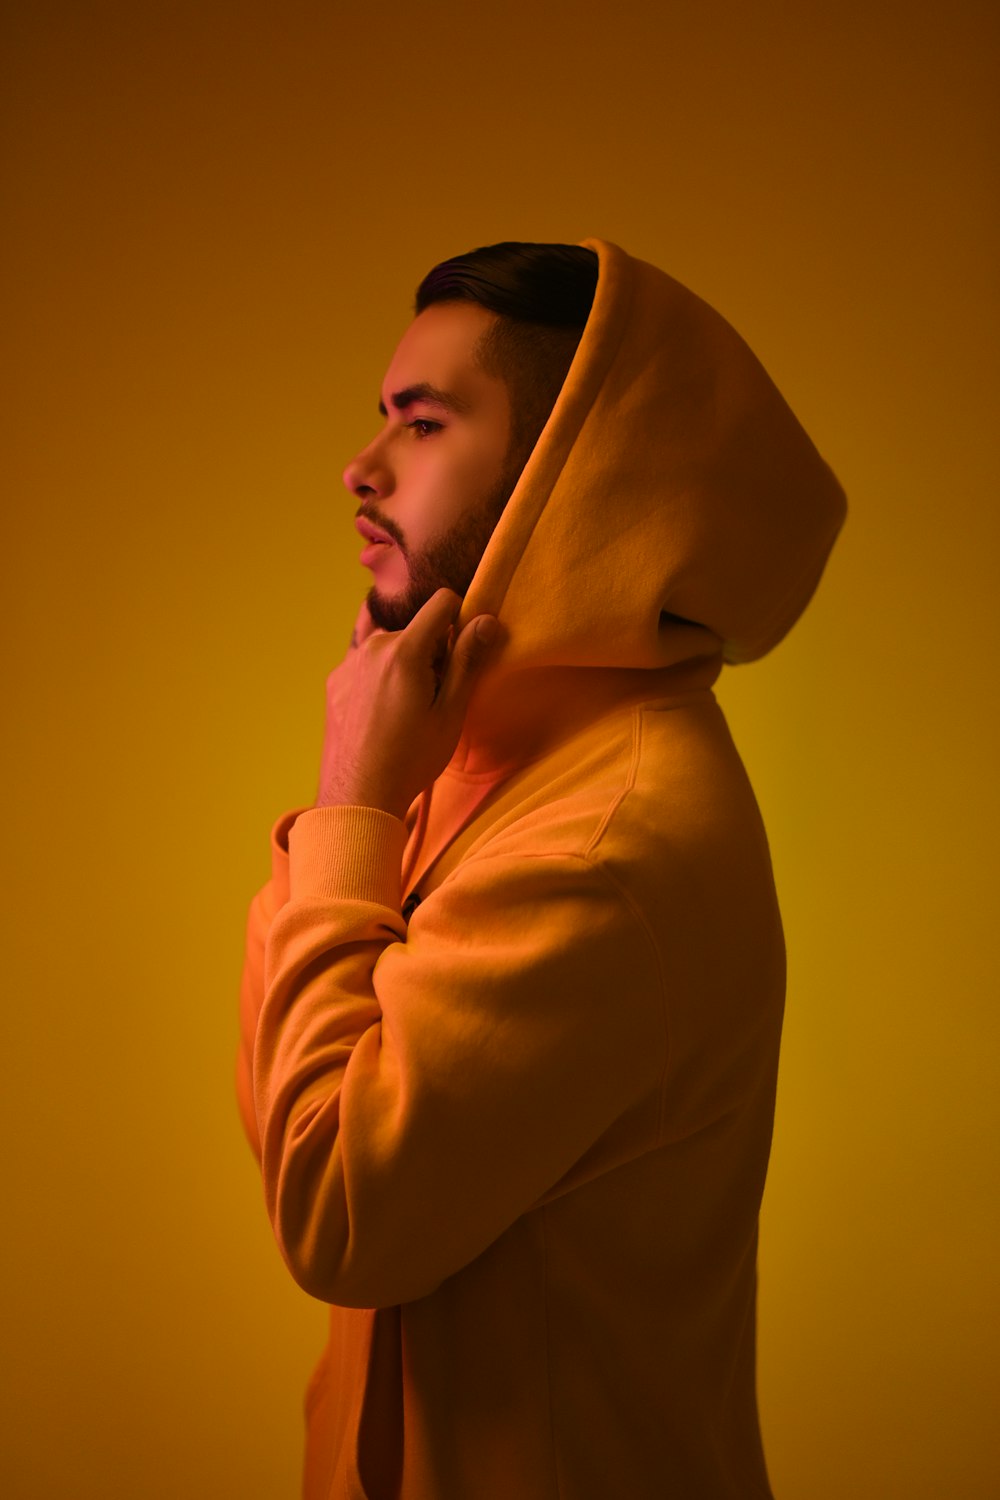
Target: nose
{"points": [[368, 475]]}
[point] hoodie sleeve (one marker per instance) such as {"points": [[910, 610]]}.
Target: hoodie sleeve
{"points": [[263, 908], [417, 1091]]}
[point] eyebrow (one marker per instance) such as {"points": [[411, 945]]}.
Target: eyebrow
{"points": [[424, 391]]}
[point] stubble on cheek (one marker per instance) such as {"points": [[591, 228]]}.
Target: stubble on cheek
{"points": [[448, 563]]}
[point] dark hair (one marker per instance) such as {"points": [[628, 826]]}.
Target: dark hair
{"points": [[543, 296]]}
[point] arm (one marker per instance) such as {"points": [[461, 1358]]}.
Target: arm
{"points": [[269, 900], [263, 909], [417, 1092]]}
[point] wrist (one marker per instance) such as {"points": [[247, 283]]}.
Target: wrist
{"points": [[355, 791]]}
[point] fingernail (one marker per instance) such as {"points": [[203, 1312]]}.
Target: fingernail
{"points": [[486, 629]]}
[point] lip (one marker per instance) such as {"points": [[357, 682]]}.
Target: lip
{"points": [[377, 541], [370, 532]]}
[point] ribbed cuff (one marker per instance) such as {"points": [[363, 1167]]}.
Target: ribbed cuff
{"points": [[280, 832], [279, 854], [348, 853]]}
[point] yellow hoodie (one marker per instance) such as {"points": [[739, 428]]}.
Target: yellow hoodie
{"points": [[518, 1141]]}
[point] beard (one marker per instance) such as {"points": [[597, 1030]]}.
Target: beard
{"points": [[449, 563]]}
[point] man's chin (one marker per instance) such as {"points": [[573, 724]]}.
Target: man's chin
{"points": [[393, 612]]}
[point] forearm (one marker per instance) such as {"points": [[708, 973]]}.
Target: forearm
{"points": [[263, 909], [319, 1015], [412, 1086]]}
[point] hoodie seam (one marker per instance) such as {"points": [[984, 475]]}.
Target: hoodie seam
{"points": [[626, 787], [638, 917], [623, 897]]}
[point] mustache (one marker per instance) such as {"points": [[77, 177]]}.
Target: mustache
{"points": [[385, 523]]}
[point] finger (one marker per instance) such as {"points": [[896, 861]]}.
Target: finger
{"points": [[425, 644], [426, 638], [469, 653], [434, 618]]}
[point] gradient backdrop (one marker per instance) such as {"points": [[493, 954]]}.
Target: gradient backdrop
{"points": [[219, 213]]}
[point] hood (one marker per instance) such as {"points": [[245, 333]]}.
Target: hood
{"points": [[673, 507]]}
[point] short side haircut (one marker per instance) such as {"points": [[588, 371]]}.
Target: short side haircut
{"points": [[542, 295]]}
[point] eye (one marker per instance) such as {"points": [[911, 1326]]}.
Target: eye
{"points": [[424, 427]]}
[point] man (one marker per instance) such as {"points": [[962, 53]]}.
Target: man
{"points": [[513, 995]]}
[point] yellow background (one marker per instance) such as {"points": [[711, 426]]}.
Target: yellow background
{"points": [[219, 214]]}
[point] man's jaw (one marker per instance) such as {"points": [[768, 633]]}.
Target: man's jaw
{"points": [[391, 612], [449, 562]]}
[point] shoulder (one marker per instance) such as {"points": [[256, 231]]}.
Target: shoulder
{"points": [[655, 775]]}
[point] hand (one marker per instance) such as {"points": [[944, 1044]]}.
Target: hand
{"points": [[338, 690], [401, 719]]}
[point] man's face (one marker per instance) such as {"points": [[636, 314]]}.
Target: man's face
{"points": [[434, 481]]}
